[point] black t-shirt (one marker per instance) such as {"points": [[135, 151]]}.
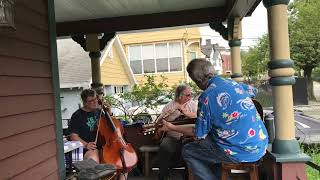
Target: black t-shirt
{"points": [[84, 124]]}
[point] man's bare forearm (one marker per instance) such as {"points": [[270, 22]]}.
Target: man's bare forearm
{"points": [[191, 114], [185, 130]]}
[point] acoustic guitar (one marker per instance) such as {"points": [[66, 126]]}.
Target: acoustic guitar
{"points": [[154, 128]]}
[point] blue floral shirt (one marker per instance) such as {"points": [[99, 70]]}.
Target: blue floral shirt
{"points": [[227, 114]]}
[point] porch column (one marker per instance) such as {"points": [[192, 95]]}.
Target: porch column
{"points": [[236, 59], [93, 46], [285, 148], [235, 36], [96, 71]]}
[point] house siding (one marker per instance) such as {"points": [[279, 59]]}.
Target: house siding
{"points": [[112, 70], [183, 35], [172, 79], [70, 102], [27, 132], [159, 36]]}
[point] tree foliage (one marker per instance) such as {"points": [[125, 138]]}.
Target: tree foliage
{"points": [[254, 62], [145, 95], [304, 33], [304, 25]]}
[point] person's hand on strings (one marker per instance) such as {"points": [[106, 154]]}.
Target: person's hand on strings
{"points": [[167, 126], [91, 146]]}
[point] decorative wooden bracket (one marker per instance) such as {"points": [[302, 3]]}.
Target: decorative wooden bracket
{"points": [[220, 28], [231, 32], [91, 42], [80, 39]]}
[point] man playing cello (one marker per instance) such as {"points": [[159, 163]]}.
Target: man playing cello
{"points": [[84, 123]]}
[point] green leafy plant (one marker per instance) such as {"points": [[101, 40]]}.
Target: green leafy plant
{"points": [[145, 95]]}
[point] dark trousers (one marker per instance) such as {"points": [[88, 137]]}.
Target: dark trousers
{"points": [[204, 158], [169, 155]]}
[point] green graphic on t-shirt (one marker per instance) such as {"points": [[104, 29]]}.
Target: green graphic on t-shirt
{"points": [[91, 123]]}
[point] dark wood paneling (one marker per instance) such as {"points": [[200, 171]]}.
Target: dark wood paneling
{"points": [[30, 17], [11, 66], [14, 105], [27, 33], [15, 48], [25, 85], [21, 162], [18, 143], [39, 6], [41, 171], [11, 125]]}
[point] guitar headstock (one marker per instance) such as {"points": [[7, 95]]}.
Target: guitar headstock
{"points": [[148, 129]]}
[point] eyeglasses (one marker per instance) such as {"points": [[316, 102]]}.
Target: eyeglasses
{"points": [[92, 100], [187, 95]]}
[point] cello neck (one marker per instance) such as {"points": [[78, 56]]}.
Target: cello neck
{"points": [[113, 127], [107, 115]]}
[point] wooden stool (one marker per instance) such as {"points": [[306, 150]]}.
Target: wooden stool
{"points": [[146, 150], [251, 168]]}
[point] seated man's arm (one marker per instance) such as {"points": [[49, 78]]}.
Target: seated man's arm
{"points": [[204, 117], [185, 130], [252, 91]]}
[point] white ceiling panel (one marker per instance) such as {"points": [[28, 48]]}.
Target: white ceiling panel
{"points": [[74, 10]]}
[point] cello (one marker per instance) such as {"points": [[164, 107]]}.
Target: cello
{"points": [[115, 149]]}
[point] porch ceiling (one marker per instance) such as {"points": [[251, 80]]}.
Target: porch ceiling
{"points": [[97, 16]]}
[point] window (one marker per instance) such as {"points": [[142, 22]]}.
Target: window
{"points": [[148, 59], [118, 89], [193, 55], [162, 57], [175, 57], [135, 59], [155, 58]]}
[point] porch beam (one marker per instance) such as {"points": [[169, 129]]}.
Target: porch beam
{"points": [[147, 21]]}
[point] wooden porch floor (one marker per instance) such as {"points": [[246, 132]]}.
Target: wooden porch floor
{"points": [[174, 175]]}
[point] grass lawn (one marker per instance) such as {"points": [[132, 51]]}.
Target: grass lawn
{"points": [[314, 152]]}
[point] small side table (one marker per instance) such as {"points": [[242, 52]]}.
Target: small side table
{"points": [[73, 152]]}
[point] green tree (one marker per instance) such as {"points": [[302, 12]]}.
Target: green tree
{"points": [[304, 33], [145, 95], [255, 60]]}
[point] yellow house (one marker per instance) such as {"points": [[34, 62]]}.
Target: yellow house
{"points": [[165, 52], [116, 74]]}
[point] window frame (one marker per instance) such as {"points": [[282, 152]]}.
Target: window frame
{"points": [[155, 56]]}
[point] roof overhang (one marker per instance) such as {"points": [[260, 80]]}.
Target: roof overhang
{"points": [[99, 16]]}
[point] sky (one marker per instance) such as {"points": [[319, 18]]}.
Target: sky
{"points": [[253, 27]]}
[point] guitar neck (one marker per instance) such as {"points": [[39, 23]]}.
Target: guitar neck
{"points": [[183, 121], [151, 128]]}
